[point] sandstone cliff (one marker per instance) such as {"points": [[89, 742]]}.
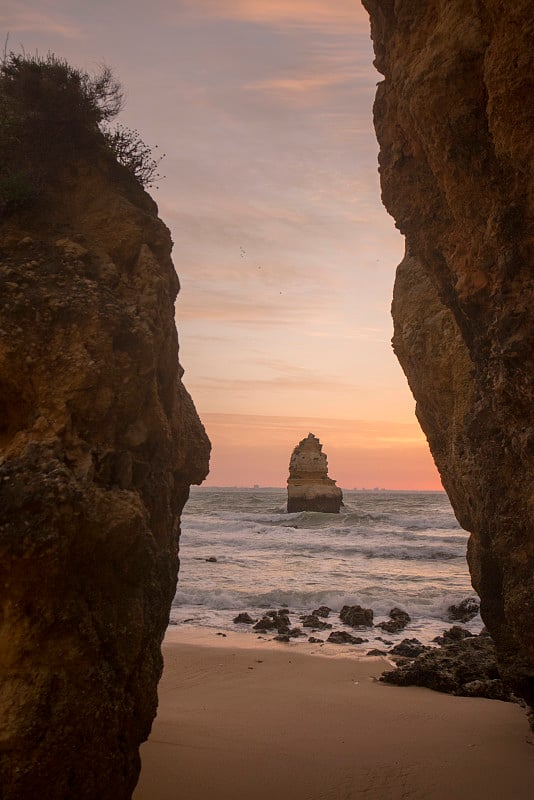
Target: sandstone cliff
{"points": [[456, 131], [308, 487], [99, 444]]}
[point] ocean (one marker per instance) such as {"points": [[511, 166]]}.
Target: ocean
{"points": [[241, 551]]}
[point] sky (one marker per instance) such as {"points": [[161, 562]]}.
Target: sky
{"points": [[285, 254]]}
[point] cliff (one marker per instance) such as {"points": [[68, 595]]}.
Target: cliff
{"points": [[454, 121], [308, 487], [99, 444]]}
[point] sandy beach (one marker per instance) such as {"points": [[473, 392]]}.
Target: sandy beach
{"points": [[245, 718]]}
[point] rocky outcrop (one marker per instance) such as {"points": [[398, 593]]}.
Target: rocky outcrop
{"points": [[99, 444], [464, 611], [308, 487], [343, 637], [356, 616], [467, 668], [454, 122], [398, 620]]}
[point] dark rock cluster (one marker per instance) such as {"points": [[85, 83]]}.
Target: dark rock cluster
{"points": [[397, 621], [466, 667], [353, 616], [408, 648], [463, 663], [454, 634]]}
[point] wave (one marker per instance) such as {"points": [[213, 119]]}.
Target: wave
{"points": [[426, 604], [382, 550], [261, 544]]}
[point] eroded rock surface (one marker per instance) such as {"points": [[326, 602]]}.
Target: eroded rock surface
{"points": [[454, 122], [356, 616], [467, 668], [308, 487], [99, 444]]}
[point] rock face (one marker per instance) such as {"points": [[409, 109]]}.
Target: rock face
{"points": [[99, 444], [308, 487], [454, 122]]}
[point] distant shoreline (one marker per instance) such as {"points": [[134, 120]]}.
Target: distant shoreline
{"points": [[205, 486]]}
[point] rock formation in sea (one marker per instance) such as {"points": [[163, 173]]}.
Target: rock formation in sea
{"points": [[454, 121], [100, 442], [308, 487]]}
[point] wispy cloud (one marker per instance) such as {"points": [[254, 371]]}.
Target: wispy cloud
{"points": [[298, 85], [20, 17], [222, 307], [346, 431], [294, 13], [304, 89], [294, 379]]}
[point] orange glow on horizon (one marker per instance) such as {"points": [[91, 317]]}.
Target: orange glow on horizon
{"points": [[249, 449]]}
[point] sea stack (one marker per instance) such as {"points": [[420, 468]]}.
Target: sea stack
{"points": [[308, 487]]}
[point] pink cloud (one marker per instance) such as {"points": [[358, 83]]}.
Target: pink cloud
{"points": [[21, 18], [300, 13]]}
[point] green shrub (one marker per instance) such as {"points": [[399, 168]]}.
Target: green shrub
{"points": [[134, 154], [52, 114]]}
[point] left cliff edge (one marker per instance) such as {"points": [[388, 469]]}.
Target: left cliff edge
{"points": [[99, 443]]}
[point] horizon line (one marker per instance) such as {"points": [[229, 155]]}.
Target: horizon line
{"points": [[344, 488]]}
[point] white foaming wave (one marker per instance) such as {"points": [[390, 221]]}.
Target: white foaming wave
{"points": [[276, 598], [364, 524], [380, 552], [302, 519], [427, 603], [277, 526]]}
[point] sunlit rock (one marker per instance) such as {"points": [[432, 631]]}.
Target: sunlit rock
{"points": [[308, 487]]}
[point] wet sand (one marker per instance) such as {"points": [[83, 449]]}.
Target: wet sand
{"points": [[240, 718]]}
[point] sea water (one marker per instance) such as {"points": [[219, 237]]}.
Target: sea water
{"points": [[384, 549]]}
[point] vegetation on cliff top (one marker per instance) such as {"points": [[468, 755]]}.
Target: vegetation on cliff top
{"points": [[52, 114]]}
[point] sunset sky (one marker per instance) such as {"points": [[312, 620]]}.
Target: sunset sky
{"points": [[285, 254]]}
